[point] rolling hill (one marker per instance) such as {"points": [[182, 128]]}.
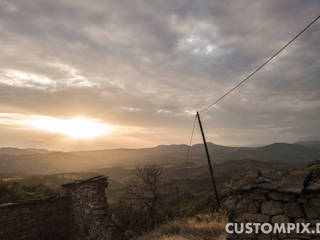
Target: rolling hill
{"points": [[21, 151], [54, 162], [313, 143]]}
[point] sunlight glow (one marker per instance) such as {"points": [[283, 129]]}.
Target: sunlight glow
{"points": [[76, 127], [25, 79]]}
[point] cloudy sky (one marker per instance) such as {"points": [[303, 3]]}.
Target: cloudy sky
{"points": [[138, 69]]}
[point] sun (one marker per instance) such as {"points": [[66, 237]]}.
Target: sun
{"points": [[75, 127]]}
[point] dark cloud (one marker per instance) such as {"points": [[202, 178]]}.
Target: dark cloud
{"points": [[148, 64]]}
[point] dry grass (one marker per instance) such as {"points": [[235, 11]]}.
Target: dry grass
{"points": [[202, 227]]}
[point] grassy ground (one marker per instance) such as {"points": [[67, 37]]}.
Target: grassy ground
{"points": [[202, 227]]}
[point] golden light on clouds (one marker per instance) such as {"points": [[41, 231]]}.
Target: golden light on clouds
{"points": [[72, 133], [75, 127], [24, 79], [79, 128]]}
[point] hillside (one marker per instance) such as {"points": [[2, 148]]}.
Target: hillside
{"points": [[21, 151], [197, 228], [53, 162], [313, 143]]}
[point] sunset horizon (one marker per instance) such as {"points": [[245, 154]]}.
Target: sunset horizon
{"points": [[74, 76], [159, 120]]}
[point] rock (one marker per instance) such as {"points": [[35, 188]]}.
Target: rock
{"points": [[253, 207], [248, 217], [314, 221], [314, 186], [257, 196], [241, 205], [231, 202], [299, 236], [287, 197], [82, 210], [312, 180], [237, 205], [311, 195], [282, 236], [264, 237], [311, 212], [243, 183], [292, 183], [130, 234], [242, 236], [259, 179], [280, 219], [246, 206], [293, 210], [271, 208], [315, 202], [258, 190], [300, 220], [302, 200]]}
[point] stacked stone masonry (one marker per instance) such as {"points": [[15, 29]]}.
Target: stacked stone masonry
{"points": [[272, 197], [81, 212]]}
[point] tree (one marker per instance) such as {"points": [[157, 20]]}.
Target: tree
{"points": [[144, 190]]}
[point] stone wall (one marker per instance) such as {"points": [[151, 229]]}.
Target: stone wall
{"points": [[89, 218], [41, 219], [272, 197], [81, 212]]}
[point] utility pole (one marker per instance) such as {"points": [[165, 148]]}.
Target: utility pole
{"points": [[209, 162]]}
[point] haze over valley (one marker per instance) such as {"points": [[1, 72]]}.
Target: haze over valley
{"points": [[41, 161]]}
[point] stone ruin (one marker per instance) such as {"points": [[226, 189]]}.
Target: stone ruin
{"points": [[274, 197], [79, 213]]}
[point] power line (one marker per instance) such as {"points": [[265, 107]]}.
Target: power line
{"points": [[190, 142], [260, 67]]}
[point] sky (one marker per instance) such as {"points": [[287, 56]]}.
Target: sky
{"points": [[137, 70]]}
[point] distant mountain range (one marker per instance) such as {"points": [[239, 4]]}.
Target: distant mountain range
{"points": [[22, 151], [44, 161], [311, 143]]}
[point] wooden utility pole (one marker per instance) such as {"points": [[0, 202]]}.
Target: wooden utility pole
{"points": [[209, 162]]}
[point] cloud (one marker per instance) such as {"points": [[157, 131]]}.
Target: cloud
{"points": [[148, 64], [24, 79]]}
